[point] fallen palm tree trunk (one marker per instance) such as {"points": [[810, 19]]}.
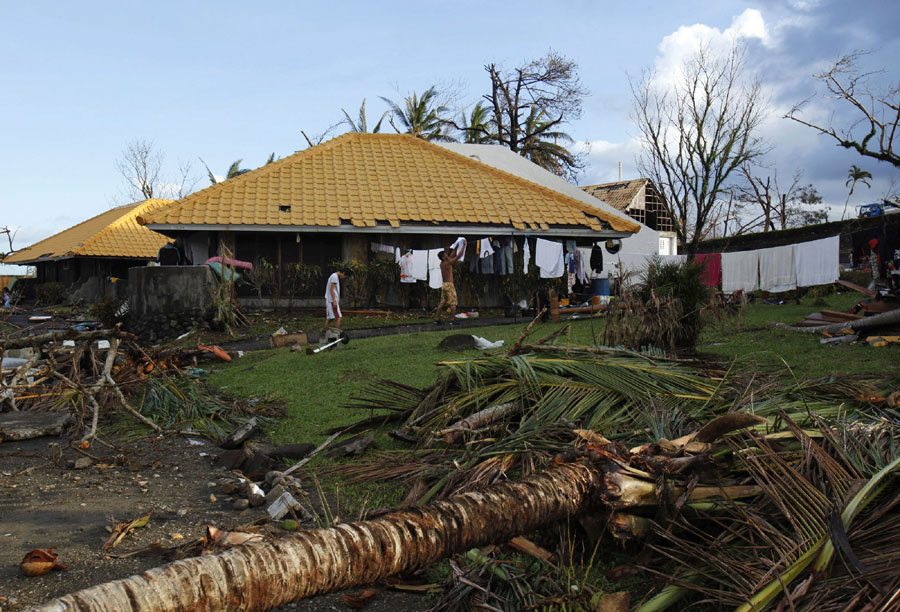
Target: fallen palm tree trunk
{"points": [[70, 334], [886, 318], [261, 576]]}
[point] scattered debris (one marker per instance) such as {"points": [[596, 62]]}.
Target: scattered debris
{"points": [[27, 425], [119, 530], [39, 562]]}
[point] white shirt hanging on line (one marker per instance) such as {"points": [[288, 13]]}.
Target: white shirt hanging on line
{"points": [[435, 278], [548, 256]]}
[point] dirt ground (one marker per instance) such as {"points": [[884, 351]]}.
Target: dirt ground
{"points": [[45, 502]]}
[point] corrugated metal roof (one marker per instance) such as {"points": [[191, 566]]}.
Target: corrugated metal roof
{"points": [[365, 180], [113, 233]]}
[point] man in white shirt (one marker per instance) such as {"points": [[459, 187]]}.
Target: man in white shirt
{"points": [[333, 298]]}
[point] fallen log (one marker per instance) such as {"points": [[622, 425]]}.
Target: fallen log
{"points": [[884, 319], [262, 576], [14, 343]]}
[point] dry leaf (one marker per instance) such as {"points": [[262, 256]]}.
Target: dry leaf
{"points": [[120, 530], [359, 600], [38, 562]]}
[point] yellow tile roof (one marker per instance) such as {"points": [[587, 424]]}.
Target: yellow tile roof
{"points": [[114, 233], [367, 179], [619, 194]]}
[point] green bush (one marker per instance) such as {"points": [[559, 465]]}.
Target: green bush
{"points": [[679, 282], [663, 310], [48, 294], [104, 310]]}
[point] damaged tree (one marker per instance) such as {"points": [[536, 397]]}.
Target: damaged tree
{"points": [[261, 576]]}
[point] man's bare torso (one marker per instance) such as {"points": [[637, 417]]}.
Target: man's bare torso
{"points": [[447, 271]]}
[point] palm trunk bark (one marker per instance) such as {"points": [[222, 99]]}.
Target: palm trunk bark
{"points": [[262, 576]]}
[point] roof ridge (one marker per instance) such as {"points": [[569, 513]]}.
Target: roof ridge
{"points": [[138, 209], [77, 225], [552, 193], [241, 178]]}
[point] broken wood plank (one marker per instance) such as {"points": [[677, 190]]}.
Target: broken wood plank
{"points": [[856, 288]]}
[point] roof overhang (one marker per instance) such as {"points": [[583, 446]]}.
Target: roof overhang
{"points": [[40, 260], [455, 230]]}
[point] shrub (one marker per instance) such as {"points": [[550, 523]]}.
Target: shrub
{"points": [[104, 310], [48, 294], [663, 310]]}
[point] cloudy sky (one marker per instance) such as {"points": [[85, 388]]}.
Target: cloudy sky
{"points": [[229, 80]]}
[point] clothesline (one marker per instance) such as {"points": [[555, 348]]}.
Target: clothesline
{"points": [[492, 255], [775, 269]]}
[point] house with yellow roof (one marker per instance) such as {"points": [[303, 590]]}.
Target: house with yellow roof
{"points": [[95, 253], [333, 201]]}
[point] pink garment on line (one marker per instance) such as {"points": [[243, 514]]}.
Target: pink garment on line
{"points": [[237, 263], [712, 264]]}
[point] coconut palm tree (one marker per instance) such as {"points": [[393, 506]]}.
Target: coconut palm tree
{"points": [[541, 145], [478, 127], [233, 170], [361, 126], [422, 116], [855, 175]]}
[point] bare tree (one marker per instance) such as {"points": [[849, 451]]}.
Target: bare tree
{"points": [[141, 165], [530, 104], [10, 236], [773, 207], [696, 132], [877, 112]]}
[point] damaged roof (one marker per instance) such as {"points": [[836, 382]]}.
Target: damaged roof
{"points": [[619, 194], [113, 233], [390, 180]]}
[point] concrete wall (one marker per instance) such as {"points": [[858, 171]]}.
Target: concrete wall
{"points": [[166, 290]]}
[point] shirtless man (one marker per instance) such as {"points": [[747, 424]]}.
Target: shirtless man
{"points": [[448, 289]]}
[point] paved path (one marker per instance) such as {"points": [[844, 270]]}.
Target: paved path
{"points": [[262, 342]]}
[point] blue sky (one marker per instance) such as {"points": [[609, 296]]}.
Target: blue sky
{"points": [[229, 80]]}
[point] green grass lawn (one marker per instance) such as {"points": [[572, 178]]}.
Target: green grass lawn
{"points": [[316, 387], [749, 342]]}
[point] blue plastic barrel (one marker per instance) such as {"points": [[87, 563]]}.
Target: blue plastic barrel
{"points": [[600, 286]]}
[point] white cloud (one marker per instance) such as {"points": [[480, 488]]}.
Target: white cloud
{"points": [[684, 42]]}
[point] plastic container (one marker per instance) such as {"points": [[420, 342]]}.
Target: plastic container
{"points": [[600, 286]]}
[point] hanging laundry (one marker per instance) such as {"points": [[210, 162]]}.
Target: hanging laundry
{"points": [[548, 256], [406, 268], [435, 278], [580, 267], [597, 259], [419, 266], [397, 255], [712, 268], [508, 251], [485, 247], [526, 257], [377, 247], [776, 269], [816, 262], [740, 271], [460, 246]]}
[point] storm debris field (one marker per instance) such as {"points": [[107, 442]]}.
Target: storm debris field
{"points": [[519, 464]]}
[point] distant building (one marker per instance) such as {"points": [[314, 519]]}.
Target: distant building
{"points": [[639, 199], [91, 257]]}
